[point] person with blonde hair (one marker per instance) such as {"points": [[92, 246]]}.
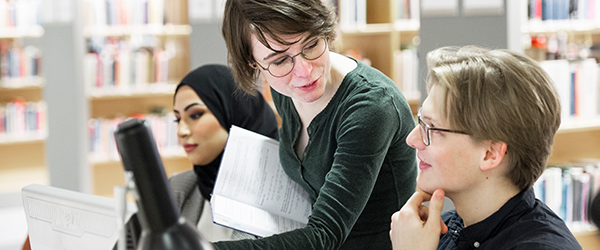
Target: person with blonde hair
{"points": [[484, 134]]}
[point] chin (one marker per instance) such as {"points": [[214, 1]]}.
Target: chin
{"points": [[196, 160], [425, 186]]}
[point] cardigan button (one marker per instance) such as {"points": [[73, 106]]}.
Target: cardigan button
{"points": [[476, 244]]}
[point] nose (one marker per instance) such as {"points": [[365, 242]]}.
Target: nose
{"points": [[182, 129], [414, 139], [302, 67]]}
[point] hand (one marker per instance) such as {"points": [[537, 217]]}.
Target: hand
{"points": [[417, 226]]}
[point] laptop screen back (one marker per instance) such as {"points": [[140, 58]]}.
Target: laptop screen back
{"points": [[68, 220]]}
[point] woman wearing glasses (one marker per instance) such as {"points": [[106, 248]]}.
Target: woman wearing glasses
{"points": [[344, 124], [485, 132]]}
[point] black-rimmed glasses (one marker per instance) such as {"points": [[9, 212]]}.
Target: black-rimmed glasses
{"points": [[282, 66], [426, 130]]}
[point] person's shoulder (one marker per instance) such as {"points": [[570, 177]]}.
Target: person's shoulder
{"points": [[541, 231]]}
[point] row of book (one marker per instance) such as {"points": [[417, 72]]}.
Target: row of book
{"points": [[406, 68], [354, 12], [119, 67], [568, 190], [20, 13], [17, 61], [102, 146], [564, 10], [123, 12], [408, 10], [578, 87], [21, 120], [206, 9], [99, 13]]}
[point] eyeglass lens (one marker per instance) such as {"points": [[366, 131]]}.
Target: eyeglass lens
{"points": [[424, 131], [285, 64]]}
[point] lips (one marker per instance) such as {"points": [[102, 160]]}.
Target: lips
{"points": [[423, 165], [189, 147], [309, 86]]}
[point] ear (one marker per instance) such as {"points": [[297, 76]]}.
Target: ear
{"points": [[494, 155]]}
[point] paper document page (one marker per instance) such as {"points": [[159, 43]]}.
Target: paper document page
{"points": [[252, 188]]}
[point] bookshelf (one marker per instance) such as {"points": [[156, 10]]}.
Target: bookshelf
{"points": [[565, 42], [133, 62], [383, 34], [23, 129]]}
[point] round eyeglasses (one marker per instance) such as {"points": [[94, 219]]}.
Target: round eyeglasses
{"points": [[426, 130], [284, 65]]}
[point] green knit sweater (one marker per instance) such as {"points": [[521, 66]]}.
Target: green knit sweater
{"points": [[357, 167]]}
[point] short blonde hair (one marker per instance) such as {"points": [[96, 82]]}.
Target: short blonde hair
{"points": [[503, 96]]}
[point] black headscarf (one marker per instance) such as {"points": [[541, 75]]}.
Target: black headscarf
{"points": [[214, 84]]}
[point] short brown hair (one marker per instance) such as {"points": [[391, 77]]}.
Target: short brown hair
{"points": [[272, 18], [503, 96]]}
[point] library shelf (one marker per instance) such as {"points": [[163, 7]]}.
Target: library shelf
{"points": [[575, 126], [21, 32], [22, 150], [378, 33], [146, 91], [32, 82], [554, 26], [578, 138], [22, 140], [106, 174], [157, 51], [588, 239], [576, 141], [23, 162], [130, 30]]}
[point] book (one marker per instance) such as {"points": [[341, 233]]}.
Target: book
{"points": [[252, 192]]}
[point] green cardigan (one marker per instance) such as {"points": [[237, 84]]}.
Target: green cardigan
{"points": [[357, 167]]}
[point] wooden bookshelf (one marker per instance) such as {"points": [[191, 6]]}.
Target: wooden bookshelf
{"points": [[378, 37], [578, 137], [110, 102], [579, 141], [22, 154], [589, 240], [109, 173]]}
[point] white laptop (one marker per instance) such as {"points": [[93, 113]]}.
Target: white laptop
{"points": [[60, 219]]}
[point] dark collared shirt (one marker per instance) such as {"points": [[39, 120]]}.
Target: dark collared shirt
{"points": [[524, 222]]}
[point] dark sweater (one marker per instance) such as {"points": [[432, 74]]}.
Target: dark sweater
{"points": [[357, 167]]}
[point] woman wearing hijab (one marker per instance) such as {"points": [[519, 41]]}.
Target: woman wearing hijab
{"points": [[206, 104]]}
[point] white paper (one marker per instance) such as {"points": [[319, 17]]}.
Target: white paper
{"points": [[252, 192]]}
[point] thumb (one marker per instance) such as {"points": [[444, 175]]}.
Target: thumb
{"points": [[436, 204]]}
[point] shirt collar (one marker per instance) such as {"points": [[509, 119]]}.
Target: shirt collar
{"points": [[508, 213]]}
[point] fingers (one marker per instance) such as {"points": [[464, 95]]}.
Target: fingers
{"points": [[436, 204], [444, 227], [418, 198]]}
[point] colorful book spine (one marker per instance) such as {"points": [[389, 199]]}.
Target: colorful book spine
{"points": [[17, 61], [124, 12], [115, 65], [20, 13], [563, 9], [568, 190], [406, 70], [21, 121], [102, 142], [578, 85]]}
